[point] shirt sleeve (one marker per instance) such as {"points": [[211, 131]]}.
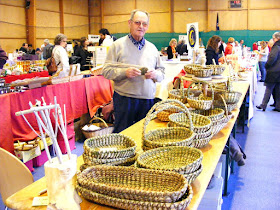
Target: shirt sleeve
{"points": [[273, 56]]}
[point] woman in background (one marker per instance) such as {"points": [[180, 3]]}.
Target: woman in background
{"points": [[82, 52], [212, 51], [171, 50], [229, 48], [263, 55]]}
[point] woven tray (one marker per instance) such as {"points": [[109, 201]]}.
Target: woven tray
{"points": [[202, 71], [202, 102], [104, 128], [179, 159], [132, 204], [134, 183], [192, 176], [110, 146], [217, 69], [163, 137], [200, 122]]}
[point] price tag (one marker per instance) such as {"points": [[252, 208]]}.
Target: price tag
{"points": [[40, 201]]}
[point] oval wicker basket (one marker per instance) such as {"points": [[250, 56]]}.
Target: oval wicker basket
{"points": [[134, 183], [163, 137], [213, 114], [110, 146], [188, 68], [163, 115], [202, 72], [193, 175], [201, 123], [217, 69], [202, 102], [179, 159], [232, 97], [139, 205], [202, 142], [178, 94]]}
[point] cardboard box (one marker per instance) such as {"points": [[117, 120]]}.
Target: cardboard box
{"points": [[41, 144], [29, 154]]}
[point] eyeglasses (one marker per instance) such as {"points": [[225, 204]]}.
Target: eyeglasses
{"points": [[138, 23]]}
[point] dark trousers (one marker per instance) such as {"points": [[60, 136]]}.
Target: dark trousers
{"points": [[129, 111], [262, 70], [268, 91]]}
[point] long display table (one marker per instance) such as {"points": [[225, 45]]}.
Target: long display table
{"points": [[79, 97], [211, 155]]}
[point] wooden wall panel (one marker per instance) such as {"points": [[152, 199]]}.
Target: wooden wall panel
{"points": [[79, 7], [181, 19], [264, 4], [20, 3], [75, 26], [264, 19], [13, 24], [159, 22], [229, 20], [10, 45], [51, 5], [47, 24], [95, 25], [153, 6], [117, 23], [183, 5], [112, 7], [95, 7]]}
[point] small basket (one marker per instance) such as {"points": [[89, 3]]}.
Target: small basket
{"points": [[192, 176], [110, 146], [104, 128], [174, 158], [134, 183], [202, 142], [132, 204], [163, 137], [178, 94], [202, 72], [163, 115], [212, 114], [232, 97], [189, 68], [202, 102]]}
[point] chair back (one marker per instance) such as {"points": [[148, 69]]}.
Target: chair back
{"points": [[14, 175]]}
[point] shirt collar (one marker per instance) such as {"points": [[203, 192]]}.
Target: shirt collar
{"points": [[139, 44]]}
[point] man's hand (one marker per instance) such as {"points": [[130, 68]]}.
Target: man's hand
{"points": [[132, 72], [151, 74]]}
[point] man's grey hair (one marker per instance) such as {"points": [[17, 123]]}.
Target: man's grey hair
{"points": [[46, 41], [276, 35], [138, 10], [59, 38]]}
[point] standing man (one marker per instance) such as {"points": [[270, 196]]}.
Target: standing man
{"points": [[134, 88]]}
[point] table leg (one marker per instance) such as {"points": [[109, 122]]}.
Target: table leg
{"points": [[226, 170]]}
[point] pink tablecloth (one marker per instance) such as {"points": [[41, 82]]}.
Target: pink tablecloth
{"points": [[78, 96], [11, 78]]}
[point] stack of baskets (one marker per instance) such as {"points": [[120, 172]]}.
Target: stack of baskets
{"points": [[110, 149], [202, 127], [134, 188], [189, 68], [183, 160], [163, 137]]}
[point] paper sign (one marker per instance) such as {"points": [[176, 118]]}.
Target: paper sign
{"points": [[93, 38], [40, 201], [193, 36], [101, 53]]}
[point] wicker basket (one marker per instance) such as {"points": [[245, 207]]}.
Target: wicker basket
{"points": [[202, 141], [117, 161], [189, 68], [232, 97], [202, 102], [163, 115], [217, 69], [163, 137], [134, 183], [178, 94], [110, 146], [174, 158], [201, 123], [212, 114], [192, 176], [104, 128], [132, 204], [202, 72]]}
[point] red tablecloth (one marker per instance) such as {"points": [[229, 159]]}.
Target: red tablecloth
{"points": [[11, 78], [78, 96]]}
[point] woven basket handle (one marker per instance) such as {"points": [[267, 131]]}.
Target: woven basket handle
{"points": [[153, 113], [98, 118], [225, 104], [212, 90]]}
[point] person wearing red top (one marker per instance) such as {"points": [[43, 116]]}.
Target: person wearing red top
{"points": [[229, 48], [255, 46]]}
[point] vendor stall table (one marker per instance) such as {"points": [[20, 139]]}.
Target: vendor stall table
{"points": [[11, 78], [211, 154], [79, 97]]}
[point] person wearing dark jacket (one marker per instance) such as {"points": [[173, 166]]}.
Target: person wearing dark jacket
{"points": [[3, 58], [24, 48], [82, 52], [181, 47], [171, 49], [212, 51], [272, 79]]}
